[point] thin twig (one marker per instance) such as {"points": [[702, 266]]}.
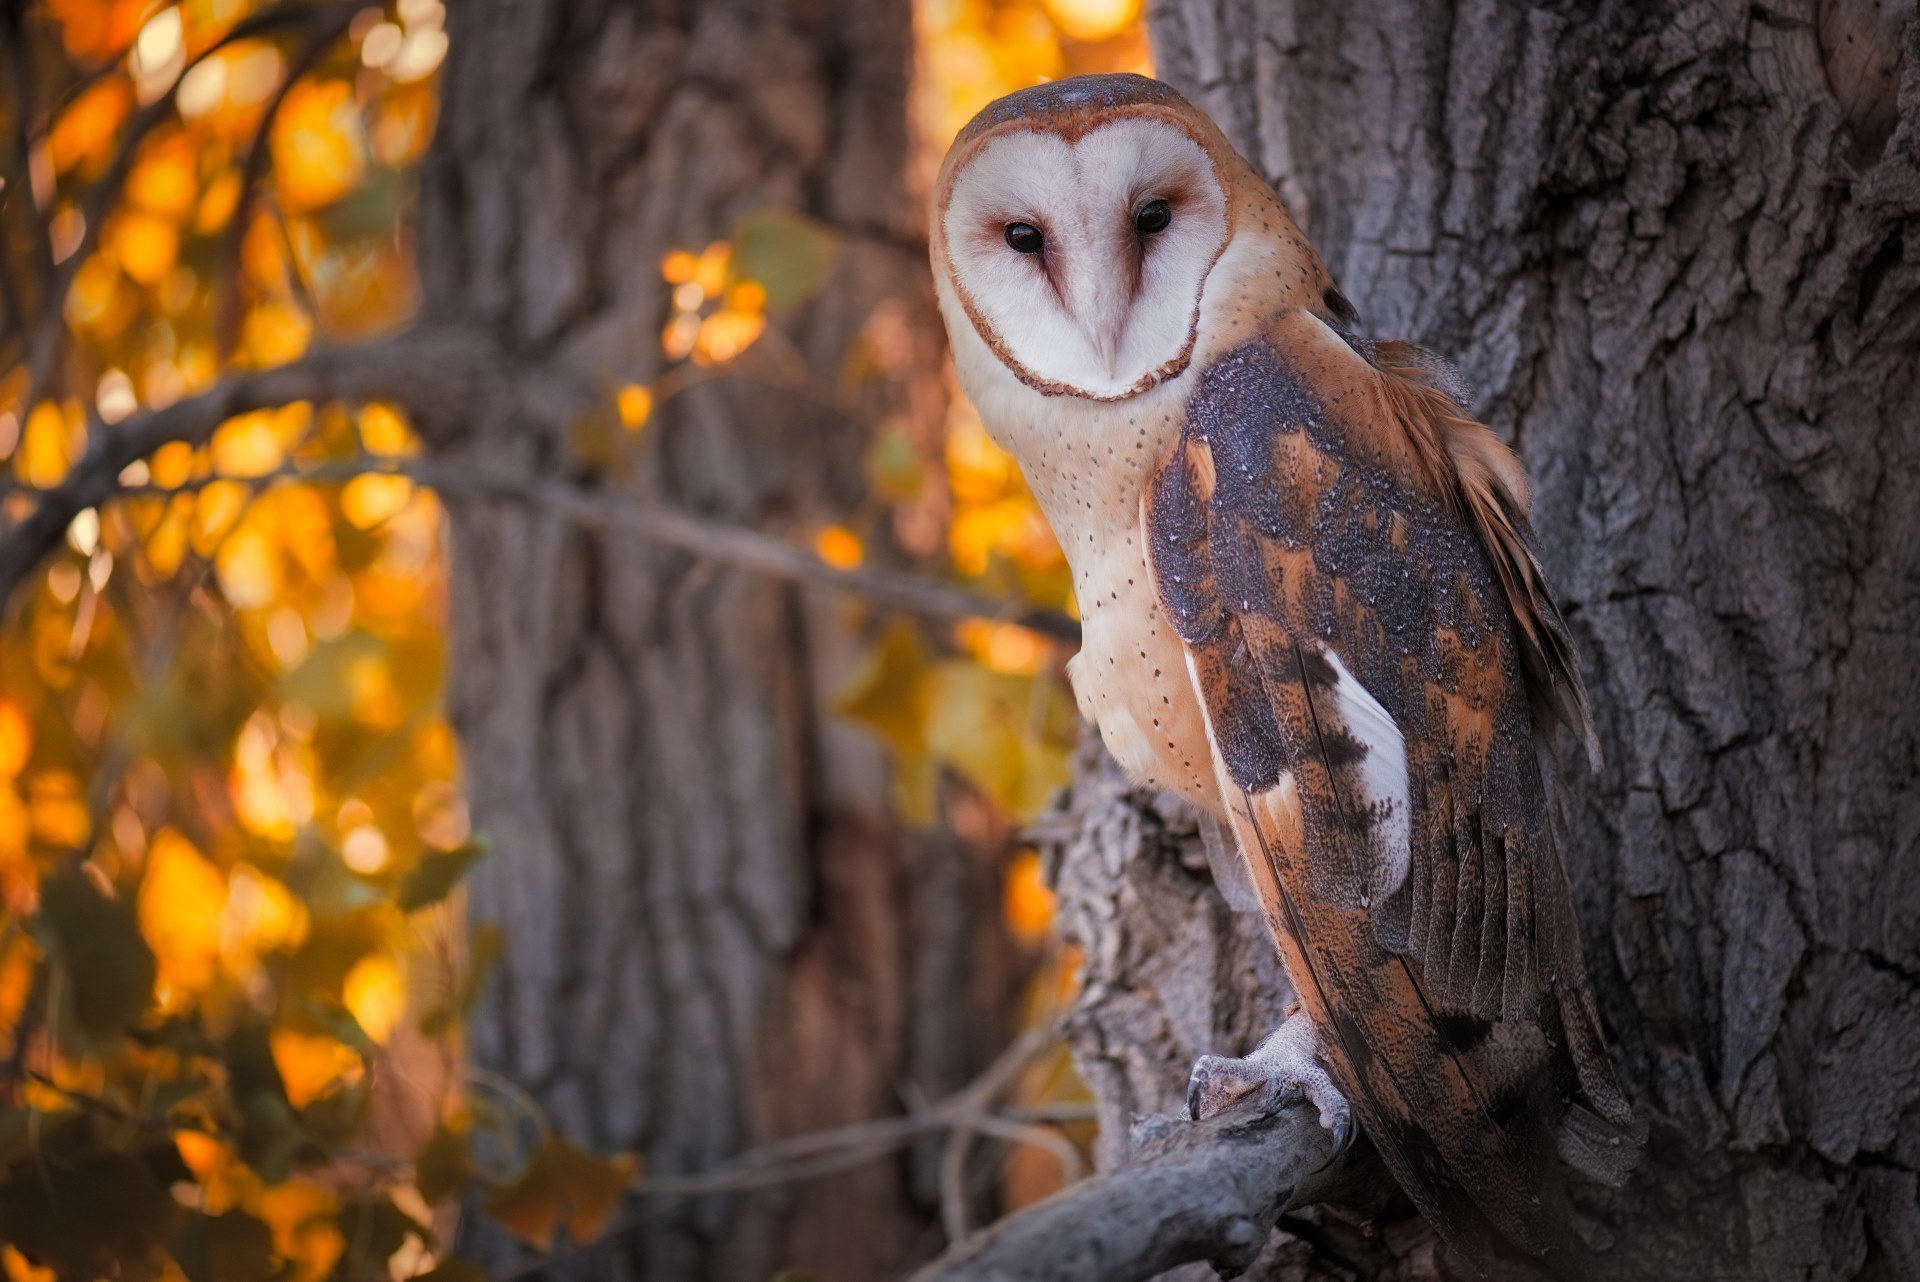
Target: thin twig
{"points": [[971, 1105], [1209, 1190], [840, 1148], [749, 549]]}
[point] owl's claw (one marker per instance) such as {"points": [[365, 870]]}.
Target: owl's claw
{"points": [[1284, 1067]]}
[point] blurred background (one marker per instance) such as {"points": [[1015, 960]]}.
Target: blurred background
{"points": [[745, 864], [532, 739]]}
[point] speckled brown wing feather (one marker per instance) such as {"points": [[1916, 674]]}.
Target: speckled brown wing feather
{"points": [[1327, 521]]}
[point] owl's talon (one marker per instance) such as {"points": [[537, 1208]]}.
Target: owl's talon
{"points": [[1286, 1065]]}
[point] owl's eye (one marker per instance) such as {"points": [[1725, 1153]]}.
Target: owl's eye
{"points": [[1025, 238], [1153, 217]]}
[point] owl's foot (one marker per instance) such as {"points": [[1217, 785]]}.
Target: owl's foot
{"points": [[1285, 1066]]}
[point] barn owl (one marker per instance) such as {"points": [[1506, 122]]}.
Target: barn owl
{"points": [[1312, 608]]}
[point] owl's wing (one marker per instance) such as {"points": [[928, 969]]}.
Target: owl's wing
{"points": [[1346, 557]]}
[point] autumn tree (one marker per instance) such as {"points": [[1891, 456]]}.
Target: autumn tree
{"points": [[592, 462]]}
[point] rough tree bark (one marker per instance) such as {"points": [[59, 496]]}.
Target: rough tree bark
{"points": [[716, 935], [1673, 246]]}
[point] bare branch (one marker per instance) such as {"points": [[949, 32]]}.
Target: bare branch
{"points": [[748, 549], [616, 513], [1207, 1190]]}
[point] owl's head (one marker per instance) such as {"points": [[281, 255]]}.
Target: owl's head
{"points": [[1076, 223]]}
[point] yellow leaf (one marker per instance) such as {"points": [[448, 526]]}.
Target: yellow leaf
{"points": [[1004, 647], [635, 404], [16, 740], [166, 547], [48, 445], [15, 1267], [171, 464], [404, 125], [217, 205], [1093, 19], [249, 570], [373, 497], [375, 992], [993, 728], [164, 181], [888, 691], [274, 333], [17, 874], [57, 809], [562, 1185], [181, 900], [319, 144], [95, 301], [19, 960], [83, 135], [253, 444], [747, 296], [678, 267], [978, 470], [1027, 903], [383, 431], [681, 333], [261, 917], [710, 272], [1012, 527], [305, 1231], [310, 1064], [839, 547], [146, 246], [724, 335]]}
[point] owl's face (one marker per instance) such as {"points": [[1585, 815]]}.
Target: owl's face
{"points": [[1079, 254]]}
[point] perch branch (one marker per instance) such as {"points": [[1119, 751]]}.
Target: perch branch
{"points": [[1207, 1190]]}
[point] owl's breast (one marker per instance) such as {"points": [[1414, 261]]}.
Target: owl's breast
{"points": [[1130, 679]]}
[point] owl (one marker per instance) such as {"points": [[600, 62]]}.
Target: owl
{"points": [[1312, 607]]}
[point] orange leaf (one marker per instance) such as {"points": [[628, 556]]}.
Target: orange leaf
{"points": [[562, 1184], [319, 144]]}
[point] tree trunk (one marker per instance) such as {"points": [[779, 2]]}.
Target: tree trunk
{"points": [[1672, 246], [715, 933]]}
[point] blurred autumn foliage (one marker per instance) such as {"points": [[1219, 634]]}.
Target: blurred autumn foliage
{"points": [[233, 964]]}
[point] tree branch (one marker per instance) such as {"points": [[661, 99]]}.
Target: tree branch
{"points": [[445, 377], [95, 480], [1207, 1190], [748, 549]]}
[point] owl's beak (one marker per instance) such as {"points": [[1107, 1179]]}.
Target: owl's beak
{"points": [[1104, 322], [1106, 345], [1106, 284]]}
